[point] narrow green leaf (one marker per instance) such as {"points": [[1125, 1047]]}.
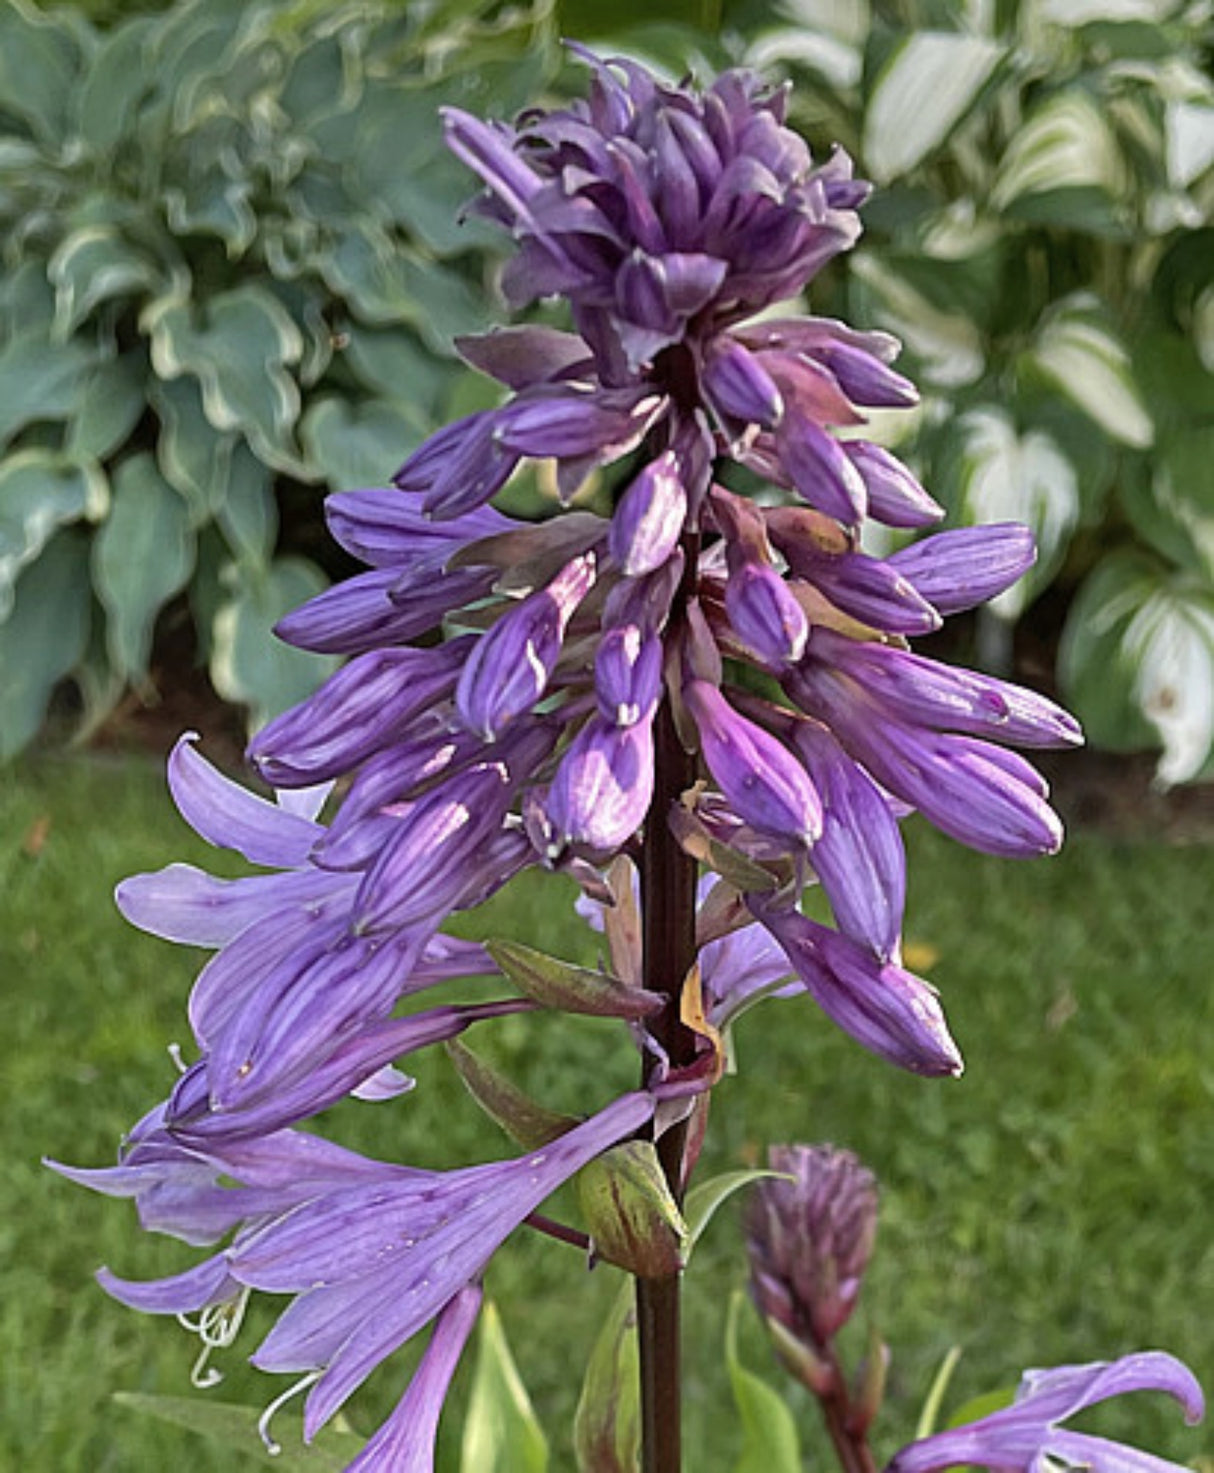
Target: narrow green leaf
{"points": [[43, 637], [929, 1416], [142, 556], [631, 1216], [568, 988], [922, 92], [981, 1406], [501, 1434], [531, 1125], [607, 1424], [706, 1196], [769, 1434], [235, 1427]]}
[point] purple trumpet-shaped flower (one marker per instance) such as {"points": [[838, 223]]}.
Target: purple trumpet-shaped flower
{"points": [[405, 1442], [888, 1010], [1027, 1436]]}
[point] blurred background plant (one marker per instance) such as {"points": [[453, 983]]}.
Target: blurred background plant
{"points": [[233, 265]]}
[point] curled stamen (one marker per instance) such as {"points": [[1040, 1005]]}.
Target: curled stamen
{"points": [[263, 1422], [217, 1325]]}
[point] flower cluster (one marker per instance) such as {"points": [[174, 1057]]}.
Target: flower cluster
{"points": [[499, 706]]}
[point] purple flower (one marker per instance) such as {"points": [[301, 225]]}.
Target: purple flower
{"points": [[1027, 1434]]}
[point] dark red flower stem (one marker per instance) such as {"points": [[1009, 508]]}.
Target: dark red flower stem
{"points": [[668, 899]]}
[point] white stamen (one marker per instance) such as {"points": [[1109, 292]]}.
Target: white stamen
{"points": [[178, 1062], [263, 1422], [217, 1326]]}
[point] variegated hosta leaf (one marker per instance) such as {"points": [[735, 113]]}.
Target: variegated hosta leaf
{"points": [[839, 63], [1083, 12], [27, 303], [40, 57], [43, 636], [41, 491], [1203, 328], [947, 344], [1189, 128], [113, 85], [921, 93], [142, 556], [1137, 661], [248, 514], [249, 663], [40, 379], [90, 266], [350, 444], [1065, 144], [210, 204], [193, 456], [239, 347], [1089, 365], [1007, 477], [112, 402], [1171, 503]]}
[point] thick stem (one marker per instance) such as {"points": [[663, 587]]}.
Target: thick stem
{"points": [[668, 899]]}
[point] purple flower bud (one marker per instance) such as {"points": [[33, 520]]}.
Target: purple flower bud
{"points": [[601, 791], [809, 1240], [677, 188], [738, 386], [510, 666], [867, 588], [648, 522], [390, 529], [820, 469], [894, 496], [765, 785], [368, 703], [865, 379], [961, 568], [369, 610], [628, 674], [887, 1010], [570, 424], [764, 613]]}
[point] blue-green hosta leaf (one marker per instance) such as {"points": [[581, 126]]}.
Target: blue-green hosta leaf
{"points": [[113, 400], [325, 77], [769, 1434], [114, 84], [924, 89], [92, 265], [40, 492], [948, 345], [1066, 144], [40, 379], [235, 1427], [607, 1424], [1006, 477], [501, 1434], [248, 514], [40, 56], [1189, 128], [351, 444], [249, 664], [211, 204], [142, 556], [43, 636], [393, 363], [1089, 365], [239, 347], [193, 456], [1149, 636], [27, 303]]}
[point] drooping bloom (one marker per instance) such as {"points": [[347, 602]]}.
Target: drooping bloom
{"points": [[1027, 1435]]}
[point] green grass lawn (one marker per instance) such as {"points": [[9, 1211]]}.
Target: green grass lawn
{"points": [[1054, 1205]]}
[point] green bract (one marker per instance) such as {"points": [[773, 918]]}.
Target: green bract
{"points": [[232, 268], [1043, 244]]}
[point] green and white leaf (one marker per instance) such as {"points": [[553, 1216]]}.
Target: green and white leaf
{"points": [[113, 85], [40, 492], [208, 204], [1189, 129], [39, 60], [1089, 365], [501, 1433], [948, 345], [249, 664], [1006, 477], [248, 514], [111, 404], [924, 89], [43, 637], [93, 265], [1065, 144], [239, 347], [142, 556], [351, 444], [40, 380], [193, 456], [769, 1434]]}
